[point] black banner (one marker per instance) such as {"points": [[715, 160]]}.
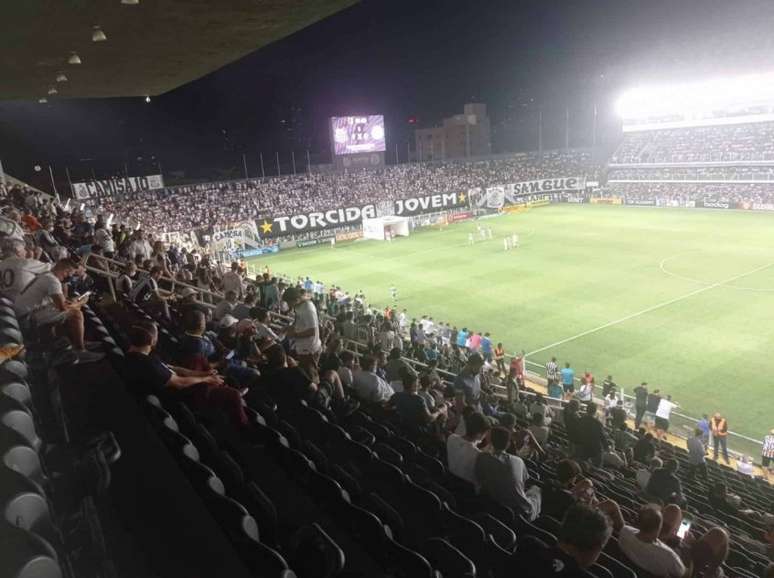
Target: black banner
{"points": [[346, 216]]}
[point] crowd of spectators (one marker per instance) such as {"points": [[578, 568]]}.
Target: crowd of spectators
{"points": [[712, 173], [683, 194], [727, 143], [562, 466], [222, 204]]}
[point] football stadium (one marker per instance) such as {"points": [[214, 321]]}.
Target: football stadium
{"points": [[384, 309]]}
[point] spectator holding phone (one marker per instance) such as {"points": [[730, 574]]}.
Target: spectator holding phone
{"points": [[642, 546]]}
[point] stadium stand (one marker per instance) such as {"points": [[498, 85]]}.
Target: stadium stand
{"points": [[731, 164], [225, 203], [111, 456]]}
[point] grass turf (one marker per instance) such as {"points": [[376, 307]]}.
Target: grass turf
{"points": [[681, 298]]}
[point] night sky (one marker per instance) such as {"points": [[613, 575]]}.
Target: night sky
{"points": [[422, 59]]}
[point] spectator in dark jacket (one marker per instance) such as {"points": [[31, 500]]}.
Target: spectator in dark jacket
{"points": [[665, 485], [645, 449], [592, 441]]}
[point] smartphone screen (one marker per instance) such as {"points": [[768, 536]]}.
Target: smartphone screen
{"points": [[685, 525]]}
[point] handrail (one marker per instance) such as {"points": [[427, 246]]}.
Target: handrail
{"points": [[175, 282]]}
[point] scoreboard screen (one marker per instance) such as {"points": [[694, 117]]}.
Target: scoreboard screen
{"points": [[358, 134]]}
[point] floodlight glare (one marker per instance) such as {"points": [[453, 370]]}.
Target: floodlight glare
{"points": [[696, 98]]}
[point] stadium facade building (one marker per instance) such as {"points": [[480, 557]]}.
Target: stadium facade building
{"points": [[460, 136]]}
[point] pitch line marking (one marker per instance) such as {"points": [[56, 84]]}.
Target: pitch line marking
{"points": [[650, 309], [666, 271]]}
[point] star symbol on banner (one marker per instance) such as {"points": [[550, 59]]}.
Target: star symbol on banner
{"points": [[266, 227], [461, 197]]}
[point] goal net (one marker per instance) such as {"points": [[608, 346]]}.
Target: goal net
{"points": [[385, 228]]}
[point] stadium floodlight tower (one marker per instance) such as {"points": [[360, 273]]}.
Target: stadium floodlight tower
{"points": [[710, 102]]}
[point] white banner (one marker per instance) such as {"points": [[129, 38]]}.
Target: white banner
{"points": [[243, 235], [118, 186], [497, 196]]}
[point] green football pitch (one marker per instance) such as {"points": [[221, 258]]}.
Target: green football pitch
{"points": [[680, 298]]}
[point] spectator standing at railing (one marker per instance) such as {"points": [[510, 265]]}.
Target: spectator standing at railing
{"points": [[468, 382], [568, 380], [640, 403], [305, 330], [704, 425], [768, 458], [232, 281], [719, 427], [697, 462]]}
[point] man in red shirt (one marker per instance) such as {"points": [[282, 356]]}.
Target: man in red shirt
{"points": [[517, 367]]}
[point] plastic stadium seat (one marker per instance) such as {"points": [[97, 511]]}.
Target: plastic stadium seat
{"points": [[314, 554], [448, 560], [309, 422], [160, 417], [388, 454], [361, 435], [406, 563], [263, 560], [389, 516], [23, 504], [202, 478], [227, 469], [261, 508], [366, 527], [26, 555], [9, 321], [179, 445], [10, 335], [13, 369], [327, 491], [384, 477], [357, 453], [25, 460], [431, 464], [153, 400], [17, 417], [316, 455], [203, 440], [29, 510], [617, 568], [233, 518], [296, 464], [347, 481], [291, 434], [18, 391], [499, 532]]}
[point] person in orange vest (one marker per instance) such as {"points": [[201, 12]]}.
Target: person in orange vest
{"points": [[719, 427]]}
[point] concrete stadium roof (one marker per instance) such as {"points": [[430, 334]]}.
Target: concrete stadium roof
{"points": [[151, 48]]}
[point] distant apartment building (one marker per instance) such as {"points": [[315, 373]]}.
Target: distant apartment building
{"points": [[460, 136]]}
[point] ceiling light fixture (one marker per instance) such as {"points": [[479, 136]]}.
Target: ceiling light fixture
{"points": [[130, 2], [61, 77], [98, 35], [74, 59], [53, 90], [147, 99]]}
